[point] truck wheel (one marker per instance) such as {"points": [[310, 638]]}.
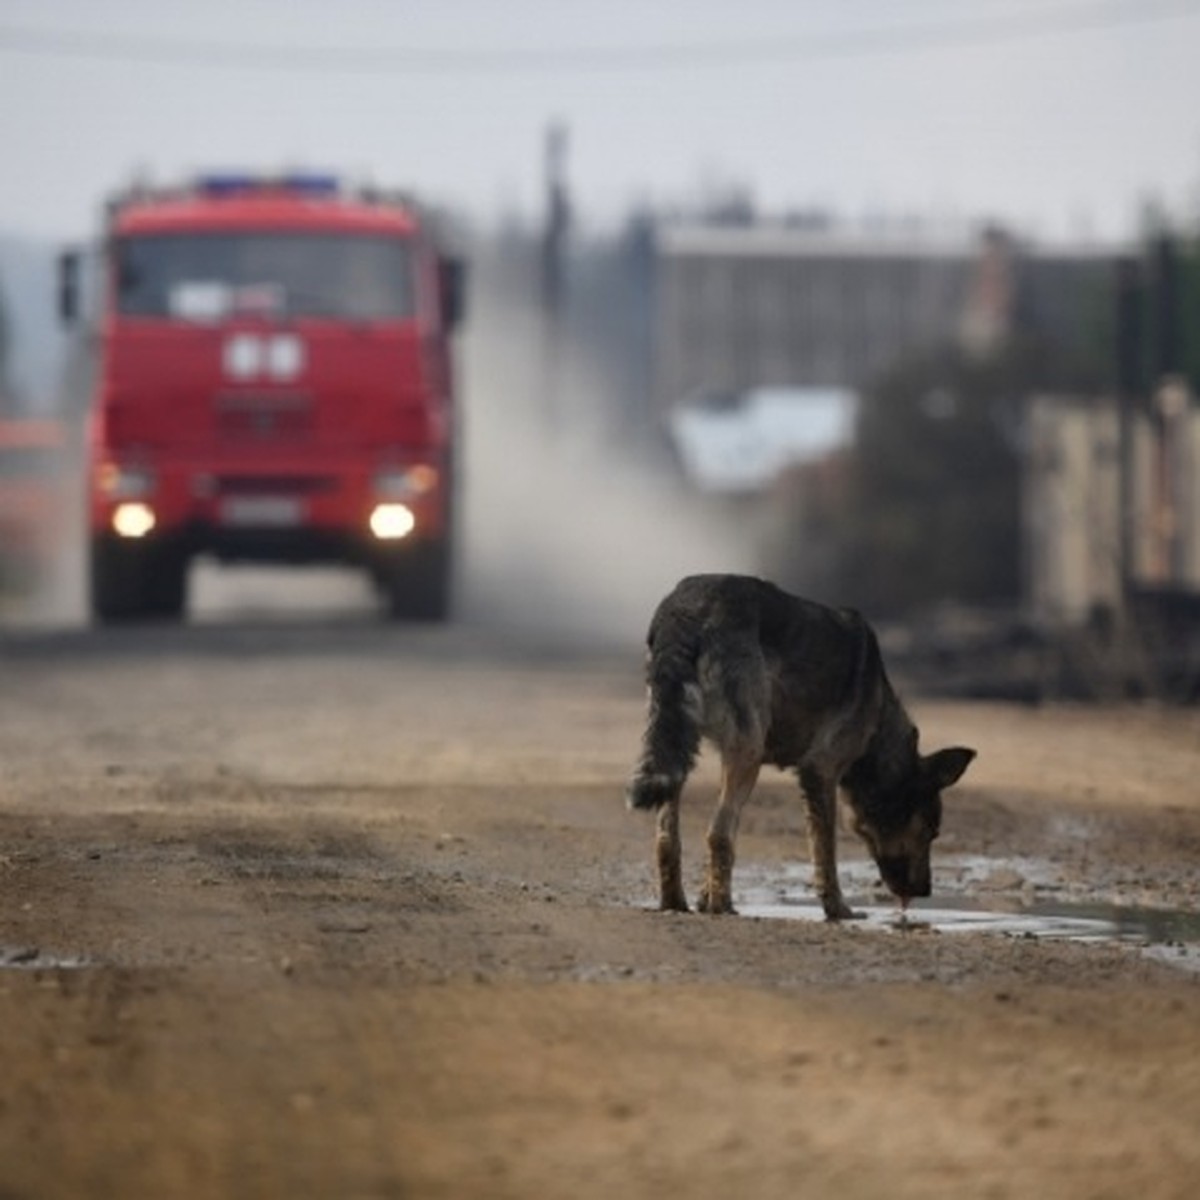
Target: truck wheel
{"points": [[166, 584], [116, 582], [417, 585], [130, 581]]}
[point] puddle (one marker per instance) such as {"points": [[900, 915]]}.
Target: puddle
{"points": [[31, 958], [1078, 923], [1164, 935]]}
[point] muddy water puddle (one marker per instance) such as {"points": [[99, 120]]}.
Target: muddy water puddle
{"points": [[33, 958], [1005, 898]]}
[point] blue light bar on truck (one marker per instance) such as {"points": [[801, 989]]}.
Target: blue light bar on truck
{"points": [[311, 184], [240, 183]]}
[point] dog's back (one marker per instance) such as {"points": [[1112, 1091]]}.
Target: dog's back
{"points": [[737, 660]]}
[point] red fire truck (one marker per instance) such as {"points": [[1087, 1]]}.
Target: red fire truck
{"points": [[274, 383]]}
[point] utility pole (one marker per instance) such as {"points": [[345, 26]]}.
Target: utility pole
{"points": [[553, 271]]}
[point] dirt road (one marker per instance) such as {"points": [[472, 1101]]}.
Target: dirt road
{"points": [[339, 910]]}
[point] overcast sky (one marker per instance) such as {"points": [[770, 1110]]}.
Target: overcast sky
{"points": [[1060, 116]]}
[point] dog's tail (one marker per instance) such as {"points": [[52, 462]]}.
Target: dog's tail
{"points": [[672, 737]]}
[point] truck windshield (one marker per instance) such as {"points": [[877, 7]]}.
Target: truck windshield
{"points": [[211, 276]]}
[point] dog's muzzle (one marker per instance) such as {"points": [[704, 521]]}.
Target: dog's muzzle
{"points": [[908, 880]]}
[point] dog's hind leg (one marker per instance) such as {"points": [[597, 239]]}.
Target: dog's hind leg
{"points": [[820, 796], [669, 853], [739, 772]]}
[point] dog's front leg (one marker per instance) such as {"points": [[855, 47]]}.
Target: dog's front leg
{"points": [[820, 797]]}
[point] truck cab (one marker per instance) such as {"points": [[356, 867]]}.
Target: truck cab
{"points": [[274, 384]]}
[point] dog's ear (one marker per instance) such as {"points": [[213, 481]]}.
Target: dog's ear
{"points": [[945, 767]]}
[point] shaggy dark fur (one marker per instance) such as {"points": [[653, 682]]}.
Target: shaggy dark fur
{"points": [[771, 678]]}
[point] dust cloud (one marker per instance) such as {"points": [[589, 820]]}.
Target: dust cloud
{"points": [[53, 597], [571, 532]]}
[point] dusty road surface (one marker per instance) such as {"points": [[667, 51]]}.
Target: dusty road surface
{"points": [[342, 910]]}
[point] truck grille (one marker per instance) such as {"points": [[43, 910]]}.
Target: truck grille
{"points": [[265, 416], [273, 485]]}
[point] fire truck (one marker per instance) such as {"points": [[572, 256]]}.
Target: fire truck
{"points": [[274, 383]]}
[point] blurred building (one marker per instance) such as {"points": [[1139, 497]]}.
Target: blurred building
{"points": [[814, 315], [743, 307], [1070, 509], [740, 307], [1081, 555]]}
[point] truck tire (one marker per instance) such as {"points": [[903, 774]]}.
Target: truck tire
{"points": [[417, 584], [166, 584], [132, 581]]}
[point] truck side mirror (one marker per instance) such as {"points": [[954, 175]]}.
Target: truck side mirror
{"points": [[452, 286], [68, 287]]}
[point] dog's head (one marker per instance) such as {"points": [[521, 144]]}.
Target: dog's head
{"points": [[900, 825]]}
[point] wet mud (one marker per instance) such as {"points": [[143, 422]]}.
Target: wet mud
{"points": [[310, 911]]}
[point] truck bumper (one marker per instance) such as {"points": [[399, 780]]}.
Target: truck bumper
{"points": [[289, 513]]}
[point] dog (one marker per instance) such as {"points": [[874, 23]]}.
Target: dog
{"points": [[767, 677]]}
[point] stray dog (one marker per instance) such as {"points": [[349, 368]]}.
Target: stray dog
{"points": [[769, 678]]}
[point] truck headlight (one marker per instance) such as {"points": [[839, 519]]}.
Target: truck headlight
{"points": [[133, 519], [390, 522]]}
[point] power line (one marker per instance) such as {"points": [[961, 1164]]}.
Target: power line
{"points": [[877, 41]]}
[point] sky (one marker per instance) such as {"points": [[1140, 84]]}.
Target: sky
{"points": [[1062, 118]]}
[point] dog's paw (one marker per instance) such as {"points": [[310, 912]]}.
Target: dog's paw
{"points": [[836, 909], [720, 906]]}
